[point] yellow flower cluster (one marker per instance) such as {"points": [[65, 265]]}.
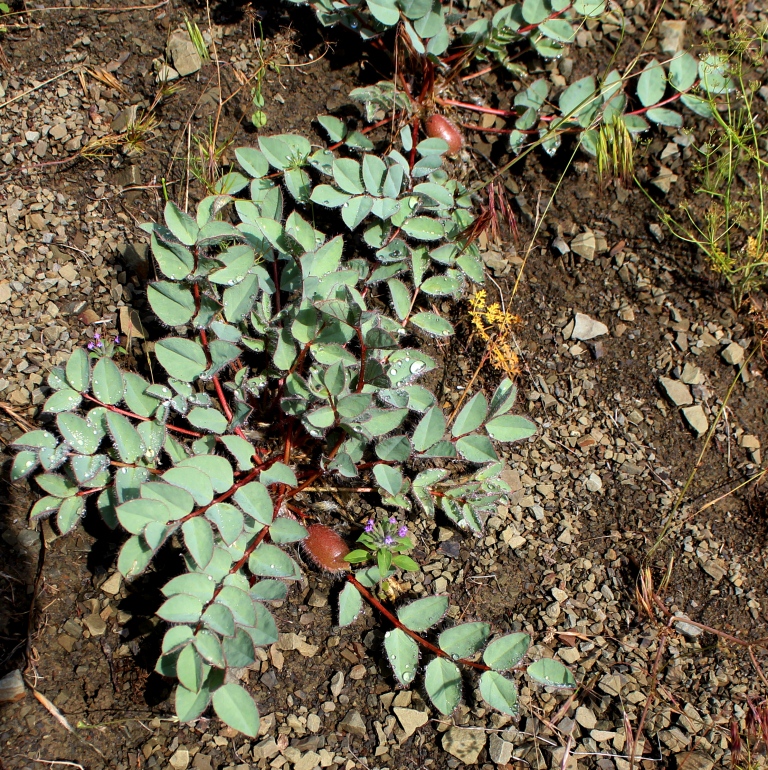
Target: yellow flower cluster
{"points": [[494, 326]]}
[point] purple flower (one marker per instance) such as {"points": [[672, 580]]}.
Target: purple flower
{"points": [[388, 540], [117, 340], [91, 346], [96, 335], [392, 520], [403, 531], [369, 526]]}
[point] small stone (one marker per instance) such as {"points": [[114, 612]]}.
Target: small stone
{"points": [[464, 744], [696, 418], [582, 327], [499, 750], [569, 654], [664, 180], [202, 762], [594, 483], [179, 760], [308, 761], [733, 354], [68, 272], [688, 629], [672, 35], [715, 568], [585, 245], [353, 724], [124, 119], [586, 718], [112, 584], [411, 719], [58, 131], [166, 74], [95, 625], [691, 375], [358, 672], [12, 687], [337, 684], [41, 148], [183, 54], [266, 749], [66, 642], [694, 760], [5, 292], [677, 392], [656, 232]]}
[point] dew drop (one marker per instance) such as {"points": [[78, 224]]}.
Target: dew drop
{"points": [[386, 636], [417, 366], [455, 656], [271, 566], [392, 372]]}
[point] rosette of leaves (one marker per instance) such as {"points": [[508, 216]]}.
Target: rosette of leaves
{"points": [[424, 21], [455, 646], [272, 320]]}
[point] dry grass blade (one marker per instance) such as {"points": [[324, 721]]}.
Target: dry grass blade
{"points": [[58, 762], [55, 713], [107, 78], [16, 417]]}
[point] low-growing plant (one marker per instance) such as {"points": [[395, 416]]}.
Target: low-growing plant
{"points": [[727, 216], [598, 109], [313, 336]]}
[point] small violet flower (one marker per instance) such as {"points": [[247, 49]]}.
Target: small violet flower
{"points": [[369, 526], [388, 540], [403, 531], [91, 346], [392, 520]]}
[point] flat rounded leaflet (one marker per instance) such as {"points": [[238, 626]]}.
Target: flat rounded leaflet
{"points": [[442, 682], [403, 655], [423, 613]]}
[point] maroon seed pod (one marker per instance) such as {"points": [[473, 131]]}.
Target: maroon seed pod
{"points": [[440, 127], [326, 548]]}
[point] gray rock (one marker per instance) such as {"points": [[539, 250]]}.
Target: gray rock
{"points": [[695, 760], [586, 717], [677, 392], [733, 354], [411, 719], [696, 418], [166, 74], [95, 625], [594, 483], [672, 36], [464, 744], [58, 131], [691, 375], [353, 724], [183, 54], [125, 118], [585, 245], [499, 750], [584, 328], [179, 760], [12, 687], [689, 630]]}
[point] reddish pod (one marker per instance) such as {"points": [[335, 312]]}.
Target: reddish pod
{"points": [[326, 548], [439, 127]]}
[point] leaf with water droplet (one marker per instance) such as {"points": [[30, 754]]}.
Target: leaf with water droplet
{"points": [[403, 655], [552, 673]]}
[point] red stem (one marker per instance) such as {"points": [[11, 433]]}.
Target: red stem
{"points": [[374, 602], [183, 431]]}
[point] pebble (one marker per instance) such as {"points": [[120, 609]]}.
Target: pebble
{"points": [[411, 719], [183, 53], [677, 392], [585, 245], [179, 760], [12, 687], [353, 724], [672, 35], [594, 483], [696, 418], [464, 744], [586, 717], [5, 292], [499, 750], [694, 760], [583, 328], [733, 354], [95, 625], [112, 584]]}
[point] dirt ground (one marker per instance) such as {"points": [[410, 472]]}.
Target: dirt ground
{"points": [[590, 495]]}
